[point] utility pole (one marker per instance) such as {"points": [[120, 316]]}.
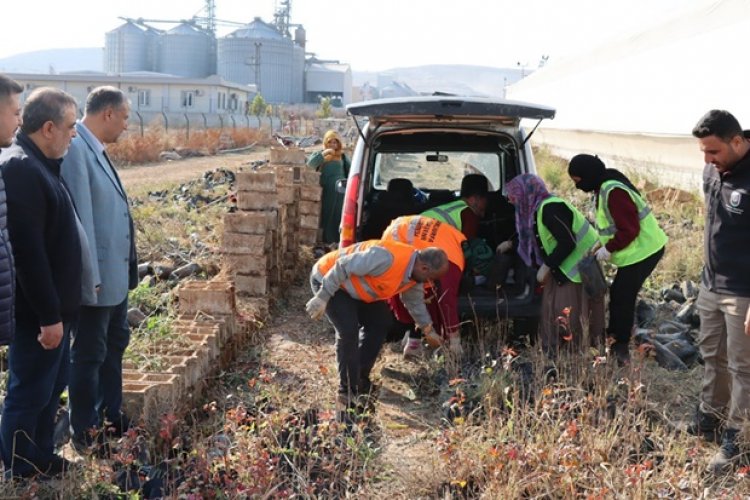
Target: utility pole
{"points": [[258, 45]]}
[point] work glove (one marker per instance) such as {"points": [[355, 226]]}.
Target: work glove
{"points": [[543, 274], [454, 345], [505, 246], [603, 254], [431, 336], [316, 307]]}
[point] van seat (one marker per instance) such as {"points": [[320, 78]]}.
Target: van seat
{"points": [[397, 200]]}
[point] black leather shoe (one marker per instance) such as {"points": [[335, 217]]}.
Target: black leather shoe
{"points": [[59, 466]]}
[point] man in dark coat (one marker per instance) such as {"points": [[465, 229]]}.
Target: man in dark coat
{"points": [[47, 247], [10, 120]]}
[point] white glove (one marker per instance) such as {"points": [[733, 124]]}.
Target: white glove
{"points": [[543, 273], [316, 307], [603, 254], [432, 338], [505, 246], [454, 345]]}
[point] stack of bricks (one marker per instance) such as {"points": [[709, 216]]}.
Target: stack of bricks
{"points": [[282, 195], [293, 178], [206, 328], [278, 207], [310, 194]]}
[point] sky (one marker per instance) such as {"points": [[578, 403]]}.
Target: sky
{"points": [[369, 35]]}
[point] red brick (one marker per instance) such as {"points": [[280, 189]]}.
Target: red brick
{"points": [[253, 286], [264, 182], [249, 244], [246, 264], [293, 156], [210, 297], [246, 222], [308, 236], [310, 193], [287, 194], [309, 221], [309, 207], [250, 200]]}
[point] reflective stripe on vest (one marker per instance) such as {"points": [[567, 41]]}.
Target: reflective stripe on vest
{"points": [[650, 237], [371, 288], [450, 213], [423, 232], [585, 238]]}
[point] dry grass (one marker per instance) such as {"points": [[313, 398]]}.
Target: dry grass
{"points": [[134, 149], [596, 432]]}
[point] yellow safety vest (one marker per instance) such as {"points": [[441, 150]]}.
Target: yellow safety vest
{"points": [[650, 238]]}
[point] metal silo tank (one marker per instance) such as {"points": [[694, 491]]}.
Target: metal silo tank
{"points": [[277, 62], [259, 52], [186, 51], [126, 48], [232, 60]]}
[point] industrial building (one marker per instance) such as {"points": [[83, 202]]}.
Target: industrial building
{"points": [[328, 79], [265, 55], [156, 96]]}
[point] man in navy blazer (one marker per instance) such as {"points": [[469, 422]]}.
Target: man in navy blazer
{"points": [[103, 333]]}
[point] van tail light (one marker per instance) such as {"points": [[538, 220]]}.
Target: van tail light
{"points": [[349, 213], [538, 289]]}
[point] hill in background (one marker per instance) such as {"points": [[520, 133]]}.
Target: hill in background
{"points": [[451, 78], [55, 61]]}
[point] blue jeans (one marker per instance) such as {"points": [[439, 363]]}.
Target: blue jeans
{"points": [[99, 343], [36, 379]]}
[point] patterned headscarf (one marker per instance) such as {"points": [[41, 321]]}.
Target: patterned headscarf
{"points": [[526, 192]]}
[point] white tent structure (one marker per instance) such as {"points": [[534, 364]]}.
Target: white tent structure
{"points": [[647, 91]]}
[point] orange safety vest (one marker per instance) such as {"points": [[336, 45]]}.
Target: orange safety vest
{"points": [[422, 232], [371, 288]]}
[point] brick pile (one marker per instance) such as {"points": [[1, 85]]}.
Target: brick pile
{"points": [[278, 209]]}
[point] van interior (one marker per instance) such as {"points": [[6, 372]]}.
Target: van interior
{"points": [[413, 172], [409, 173]]}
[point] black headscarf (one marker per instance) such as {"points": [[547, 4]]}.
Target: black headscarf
{"points": [[593, 173]]}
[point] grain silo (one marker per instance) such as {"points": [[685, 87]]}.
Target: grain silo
{"points": [[259, 54], [298, 63], [187, 51], [129, 47]]}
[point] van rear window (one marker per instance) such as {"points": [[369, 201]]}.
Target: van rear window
{"points": [[437, 170]]}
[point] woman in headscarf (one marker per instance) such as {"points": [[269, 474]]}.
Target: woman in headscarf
{"points": [[333, 165], [629, 237], [554, 236]]}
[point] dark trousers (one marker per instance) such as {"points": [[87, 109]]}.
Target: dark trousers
{"points": [[623, 294], [99, 342], [360, 330], [36, 379]]}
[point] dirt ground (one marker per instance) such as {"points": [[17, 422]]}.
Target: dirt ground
{"points": [[174, 172], [301, 354]]}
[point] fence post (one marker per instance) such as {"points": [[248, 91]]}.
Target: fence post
{"points": [[140, 120], [221, 122], [247, 119], [234, 124], [205, 121], [166, 121], [187, 128]]}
